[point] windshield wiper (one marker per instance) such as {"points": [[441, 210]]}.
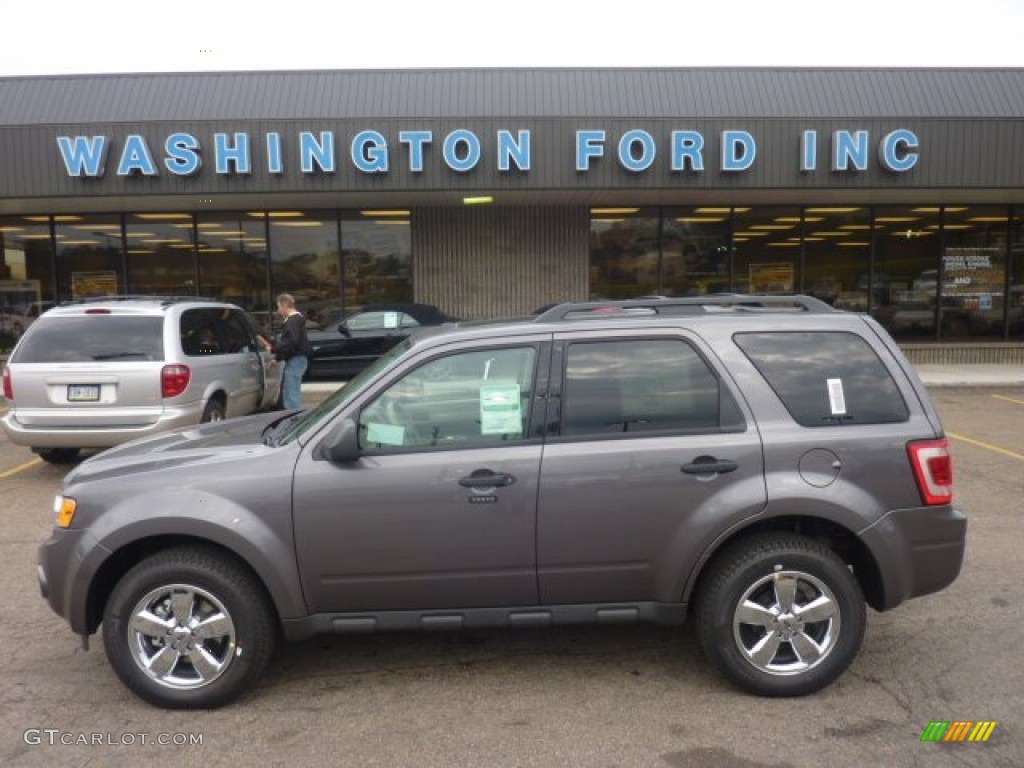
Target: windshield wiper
{"points": [[270, 433]]}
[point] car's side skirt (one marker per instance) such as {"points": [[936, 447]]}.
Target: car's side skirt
{"points": [[672, 614]]}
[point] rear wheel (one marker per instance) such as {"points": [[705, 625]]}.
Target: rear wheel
{"points": [[780, 615], [214, 410], [57, 455], [188, 628]]}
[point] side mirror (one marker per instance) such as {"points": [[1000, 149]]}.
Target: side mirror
{"points": [[344, 331], [341, 446]]}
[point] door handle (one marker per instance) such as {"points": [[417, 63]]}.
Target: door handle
{"points": [[709, 465], [484, 478]]}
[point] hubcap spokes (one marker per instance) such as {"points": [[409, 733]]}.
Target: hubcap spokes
{"points": [[181, 636], [786, 623]]}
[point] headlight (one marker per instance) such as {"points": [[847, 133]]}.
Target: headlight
{"points": [[64, 508]]}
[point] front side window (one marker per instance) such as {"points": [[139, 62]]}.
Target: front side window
{"points": [[467, 399], [643, 386], [825, 378]]}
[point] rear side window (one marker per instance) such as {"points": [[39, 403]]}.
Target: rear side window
{"points": [[214, 331], [826, 378], [643, 386], [92, 338]]}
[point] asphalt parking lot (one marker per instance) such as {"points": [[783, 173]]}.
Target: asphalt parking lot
{"points": [[624, 696]]}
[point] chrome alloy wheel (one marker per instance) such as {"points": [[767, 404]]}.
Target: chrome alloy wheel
{"points": [[786, 623], [181, 636]]}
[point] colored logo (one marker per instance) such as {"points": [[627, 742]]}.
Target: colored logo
{"points": [[958, 730]]}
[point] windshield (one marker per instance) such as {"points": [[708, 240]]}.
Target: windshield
{"points": [[339, 397]]}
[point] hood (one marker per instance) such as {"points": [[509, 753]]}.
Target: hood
{"points": [[203, 444]]}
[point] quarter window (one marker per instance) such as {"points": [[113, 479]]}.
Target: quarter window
{"points": [[468, 399], [643, 385], [826, 378]]}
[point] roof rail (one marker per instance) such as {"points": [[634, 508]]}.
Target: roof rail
{"points": [[683, 305], [134, 297]]}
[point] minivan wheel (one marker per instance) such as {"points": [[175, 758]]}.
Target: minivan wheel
{"points": [[780, 615], [214, 410], [57, 455], [188, 628]]}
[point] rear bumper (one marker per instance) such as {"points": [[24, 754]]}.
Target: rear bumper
{"points": [[84, 435], [918, 551]]}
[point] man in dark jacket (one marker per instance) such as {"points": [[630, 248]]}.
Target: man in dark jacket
{"points": [[292, 350]]}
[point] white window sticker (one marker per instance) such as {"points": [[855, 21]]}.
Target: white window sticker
{"points": [[836, 397], [390, 319], [385, 434], [500, 410]]}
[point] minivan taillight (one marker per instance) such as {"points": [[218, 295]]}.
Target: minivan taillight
{"points": [[8, 385], [933, 468], [174, 379]]}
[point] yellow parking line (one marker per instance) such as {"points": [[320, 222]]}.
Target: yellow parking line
{"points": [[1009, 399], [16, 470], [989, 446]]}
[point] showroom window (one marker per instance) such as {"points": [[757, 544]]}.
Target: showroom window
{"points": [[90, 256], [973, 290], [304, 261], [1015, 305], [694, 251], [377, 256], [161, 254], [837, 255], [906, 277], [233, 261], [26, 274], [767, 243], [625, 260]]}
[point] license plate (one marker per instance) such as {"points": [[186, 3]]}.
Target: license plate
{"points": [[83, 393]]}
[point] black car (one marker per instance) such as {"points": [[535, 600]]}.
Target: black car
{"points": [[345, 346]]}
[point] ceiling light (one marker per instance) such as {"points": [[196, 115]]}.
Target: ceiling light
{"points": [[484, 200], [613, 211], [385, 213]]}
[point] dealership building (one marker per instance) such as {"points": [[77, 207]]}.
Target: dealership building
{"points": [[898, 192]]}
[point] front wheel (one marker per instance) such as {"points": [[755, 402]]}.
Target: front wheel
{"points": [[780, 615], [188, 628]]}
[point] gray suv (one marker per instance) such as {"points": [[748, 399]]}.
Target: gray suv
{"points": [[98, 372], [766, 465]]}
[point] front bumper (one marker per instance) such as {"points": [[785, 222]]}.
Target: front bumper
{"points": [[918, 551], [60, 573]]}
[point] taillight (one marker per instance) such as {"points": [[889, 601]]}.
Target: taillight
{"points": [[174, 379], [8, 385], [933, 468]]}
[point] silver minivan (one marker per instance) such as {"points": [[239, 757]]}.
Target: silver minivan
{"points": [[96, 373]]}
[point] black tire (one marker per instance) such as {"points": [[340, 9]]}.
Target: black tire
{"points": [[214, 410], [206, 585], [800, 654], [57, 455]]}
